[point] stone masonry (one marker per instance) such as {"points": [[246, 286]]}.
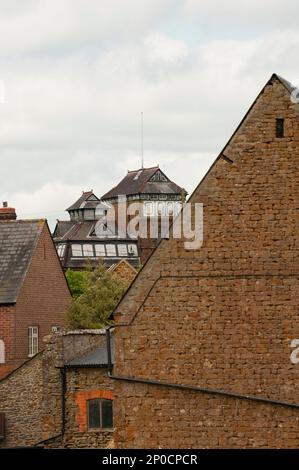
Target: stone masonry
{"points": [[31, 396], [221, 317]]}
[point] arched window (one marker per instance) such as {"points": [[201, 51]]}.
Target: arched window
{"points": [[100, 414], [2, 352]]}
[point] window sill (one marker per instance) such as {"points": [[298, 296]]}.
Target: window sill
{"points": [[100, 430]]}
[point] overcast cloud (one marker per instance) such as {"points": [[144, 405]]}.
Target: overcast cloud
{"points": [[77, 74]]}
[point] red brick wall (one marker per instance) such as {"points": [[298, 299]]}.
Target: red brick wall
{"points": [[44, 295], [7, 325], [223, 316], [81, 398]]}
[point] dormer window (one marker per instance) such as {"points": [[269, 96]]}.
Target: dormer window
{"points": [[89, 214], [279, 127]]}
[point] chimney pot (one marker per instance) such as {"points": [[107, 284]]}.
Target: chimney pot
{"points": [[5, 204]]}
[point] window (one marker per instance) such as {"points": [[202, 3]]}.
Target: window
{"points": [[100, 250], [33, 340], [122, 249], [161, 208], [280, 127], [88, 250], [170, 210], [132, 249], [111, 251], [2, 352], [148, 209], [158, 176], [77, 250], [60, 250], [100, 414]]}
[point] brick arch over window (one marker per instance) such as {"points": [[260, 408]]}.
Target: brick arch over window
{"points": [[2, 352], [81, 399]]}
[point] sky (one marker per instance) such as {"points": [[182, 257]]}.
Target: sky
{"points": [[75, 76]]}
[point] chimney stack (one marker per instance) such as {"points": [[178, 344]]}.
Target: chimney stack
{"points": [[7, 213]]}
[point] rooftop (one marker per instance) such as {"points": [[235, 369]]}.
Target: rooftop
{"points": [[144, 181], [88, 200], [18, 239], [96, 358]]}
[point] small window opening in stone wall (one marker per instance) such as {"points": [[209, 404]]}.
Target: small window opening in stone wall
{"points": [[279, 127], [100, 414]]}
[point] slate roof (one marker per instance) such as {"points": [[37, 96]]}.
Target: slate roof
{"points": [[138, 182], [84, 203], [85, 231], [18, 239], [96, 358]]}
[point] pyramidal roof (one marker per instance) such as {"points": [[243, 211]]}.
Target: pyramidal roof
{"points": [[18, 239], [86, 201], [144, 181]]}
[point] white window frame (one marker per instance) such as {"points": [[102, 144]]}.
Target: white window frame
{"points": [[87, 247], [60, 249], [32, 340], [122, 249], [134, 249], [148, 209], [2, 352], [78, 247], [108, 246], [100, 255]]}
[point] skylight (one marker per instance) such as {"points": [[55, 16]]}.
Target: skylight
{"points": [[137, 176]]}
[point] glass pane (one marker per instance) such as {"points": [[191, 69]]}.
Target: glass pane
{"points": [[87, 250], [170, 210], [34, 345], [111, 251], [76, 250], [94, 414], [122, 249], [100, 250], [107, 414], [60, 250], [161, 208], [89, 214], [148, 208]]}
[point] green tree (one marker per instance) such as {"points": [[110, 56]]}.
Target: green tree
{"points": [[102, 291], [77, 282]]}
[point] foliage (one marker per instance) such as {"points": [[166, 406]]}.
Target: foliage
{"points": [[102, 292], [76, 281]]}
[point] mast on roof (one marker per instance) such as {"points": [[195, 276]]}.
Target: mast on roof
{"points": [[142, 158]]}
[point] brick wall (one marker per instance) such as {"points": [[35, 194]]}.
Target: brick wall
{"points": [[7, 325], [44, 296], [221, 317]]}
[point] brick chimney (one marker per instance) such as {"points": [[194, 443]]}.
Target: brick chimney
{"points": [[7, 213]]}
